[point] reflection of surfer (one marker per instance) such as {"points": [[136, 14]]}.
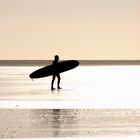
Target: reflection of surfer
{"points": [[56, 74]]}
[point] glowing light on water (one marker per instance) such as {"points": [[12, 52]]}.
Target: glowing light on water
{"points": [[83, 87]]}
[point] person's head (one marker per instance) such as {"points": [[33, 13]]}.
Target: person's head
{"points": [[56, 57]]}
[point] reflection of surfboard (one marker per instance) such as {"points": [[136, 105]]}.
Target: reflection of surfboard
{"points": [[54, 69]]}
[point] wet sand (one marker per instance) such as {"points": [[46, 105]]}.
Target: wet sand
{"points": [[47, 123]]}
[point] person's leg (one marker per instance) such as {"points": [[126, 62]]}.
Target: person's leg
{"points": [[58, 84], [53, 78]]}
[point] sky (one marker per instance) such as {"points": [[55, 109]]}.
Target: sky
{"points": [[73, 29]]}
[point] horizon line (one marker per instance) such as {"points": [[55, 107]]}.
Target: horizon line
{"points": [[82, 62]]}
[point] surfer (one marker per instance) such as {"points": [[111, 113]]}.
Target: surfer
{"points": [[56, 74]]}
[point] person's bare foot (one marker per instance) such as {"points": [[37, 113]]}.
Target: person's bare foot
{"points": [[59, 88], [52, 89]]}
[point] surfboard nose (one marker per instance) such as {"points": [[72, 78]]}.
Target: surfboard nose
{"points": [[30, 76]]}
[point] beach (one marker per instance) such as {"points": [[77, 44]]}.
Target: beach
{"points": [[48, 123], [95, 101]]}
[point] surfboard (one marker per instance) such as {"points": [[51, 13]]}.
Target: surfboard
{"points": [[54, 69]]}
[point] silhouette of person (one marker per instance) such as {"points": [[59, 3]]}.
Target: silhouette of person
{"points": [[56, 74]]}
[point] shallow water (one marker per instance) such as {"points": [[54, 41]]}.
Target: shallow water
{"points": [[83, 87]]}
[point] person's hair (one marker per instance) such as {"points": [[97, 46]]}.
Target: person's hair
{"points": [[56, 57]]}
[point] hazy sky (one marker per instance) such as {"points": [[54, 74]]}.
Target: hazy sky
{"points": [[74, 29]]}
